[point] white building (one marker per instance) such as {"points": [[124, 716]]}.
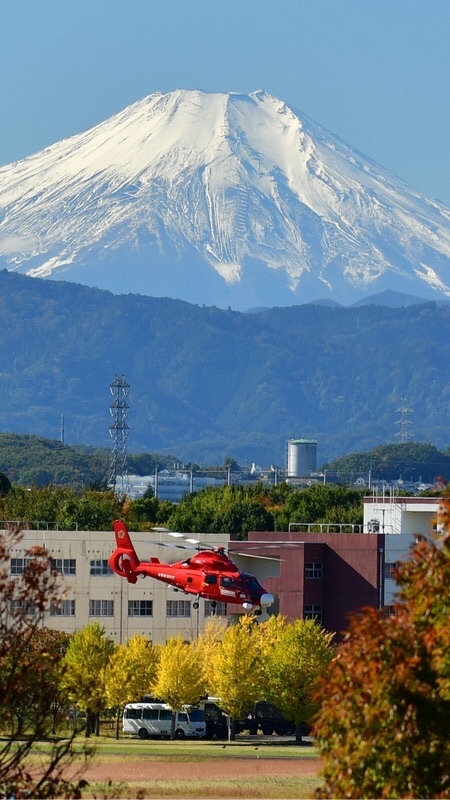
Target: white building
{"points": [[389, 513], [167, 485], [402, 520], [94, 593]]}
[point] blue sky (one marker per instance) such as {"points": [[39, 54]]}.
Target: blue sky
{"points": [[374, 72]]}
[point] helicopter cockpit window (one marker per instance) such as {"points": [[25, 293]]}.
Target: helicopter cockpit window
{"points": [[251, 582], [210, 578], [226, 581]]}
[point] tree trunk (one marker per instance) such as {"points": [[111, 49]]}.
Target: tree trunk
{"points": [[117, 722], [89, 723], [299, 734], [172, 725]]}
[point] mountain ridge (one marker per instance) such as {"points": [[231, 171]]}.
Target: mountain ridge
{"points": [[224, 199], [208, 383]]}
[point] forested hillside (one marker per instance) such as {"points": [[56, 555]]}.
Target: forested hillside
{"points": [[31, 460], [409, 461], [207, 383]]}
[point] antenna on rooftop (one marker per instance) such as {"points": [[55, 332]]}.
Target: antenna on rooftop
{"points": [[119, 408]]}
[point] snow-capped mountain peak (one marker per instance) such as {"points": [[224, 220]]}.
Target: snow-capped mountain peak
{"points": [[225, 199]]}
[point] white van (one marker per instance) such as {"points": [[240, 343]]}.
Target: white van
{"points": [[155, 719]]}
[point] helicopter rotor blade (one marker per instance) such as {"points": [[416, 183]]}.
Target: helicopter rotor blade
{"points": [[196, 544], [253, 555], [199, 544], [173, 546]]}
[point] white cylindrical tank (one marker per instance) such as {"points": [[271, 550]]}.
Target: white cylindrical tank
{"points": [[302, 457]]}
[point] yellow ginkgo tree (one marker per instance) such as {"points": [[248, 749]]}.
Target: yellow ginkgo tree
{"points": [[85, 663], [295, 656], [130, 673], [180, 680], [237, 669]]}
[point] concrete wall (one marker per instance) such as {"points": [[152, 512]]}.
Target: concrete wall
{"points": [[88, 546]]}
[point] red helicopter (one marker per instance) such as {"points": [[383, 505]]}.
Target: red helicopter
{"points": [[209, 574]]}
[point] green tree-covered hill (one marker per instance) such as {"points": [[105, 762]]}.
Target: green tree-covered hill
{"points": [[410, 461], [32, 460], [207, 383]]}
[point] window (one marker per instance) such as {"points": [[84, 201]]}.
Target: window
{"points": [[64, 566], [221, 609], [18, 565], [225, 581], [314, 569], [101, 567], [178, 608], [64, 609], [140, 608], [18, 607], [101, 608], [390, 611], [133, 713], [211, 579], [150, 713], [390, 571], [313, 612]]}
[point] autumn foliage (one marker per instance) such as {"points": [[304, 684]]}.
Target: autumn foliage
{"points": [[30, 672], [383, 727]]}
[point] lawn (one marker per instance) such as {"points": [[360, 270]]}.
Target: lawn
{"points": [[130, 768]]}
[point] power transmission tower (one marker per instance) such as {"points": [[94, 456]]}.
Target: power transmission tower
{"points": [[119, 408], [405, 424]]}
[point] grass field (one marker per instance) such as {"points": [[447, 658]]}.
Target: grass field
{"points": [[129, 768]]}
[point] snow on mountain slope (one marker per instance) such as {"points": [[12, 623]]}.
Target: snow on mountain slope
{"points": [[225, 199]]}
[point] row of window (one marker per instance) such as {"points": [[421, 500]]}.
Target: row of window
{"points": [[67, 566], [100, 566], [136, 608], [64, 566], [315, 570]]}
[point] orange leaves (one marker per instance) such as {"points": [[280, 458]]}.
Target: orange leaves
{"points": [[385, 708]]}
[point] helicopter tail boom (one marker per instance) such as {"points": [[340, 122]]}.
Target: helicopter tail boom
{"points": [[124, 561]]}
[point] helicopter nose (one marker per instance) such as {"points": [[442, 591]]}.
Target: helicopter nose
{"points": [[267, 599]]}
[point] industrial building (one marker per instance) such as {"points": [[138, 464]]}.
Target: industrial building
{"points": [[329, 571]]}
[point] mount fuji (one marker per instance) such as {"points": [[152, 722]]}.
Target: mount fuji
{"points": [[220, 199]]}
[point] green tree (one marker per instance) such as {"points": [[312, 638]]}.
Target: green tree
{"points": [[385, 707], [295, 656], [243, 517], [130, 673], [179, 679], [320, 503], [237, 670], [85, 662], [96, 511], [62, 507]]}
